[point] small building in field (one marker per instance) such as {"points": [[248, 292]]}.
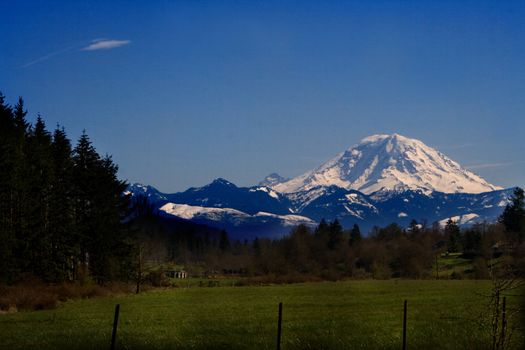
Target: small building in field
{"points": [[176, 273]]}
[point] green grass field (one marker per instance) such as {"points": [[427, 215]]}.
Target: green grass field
{"points": [[453, 262], [331, 315]]}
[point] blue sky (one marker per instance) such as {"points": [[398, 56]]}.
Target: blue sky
{"points": [[182, 92]]}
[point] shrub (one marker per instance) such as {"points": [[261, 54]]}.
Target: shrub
{"points": [[35, 295], [26, 297]]}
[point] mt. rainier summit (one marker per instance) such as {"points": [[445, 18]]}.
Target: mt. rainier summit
{"points": [[389, 162]]}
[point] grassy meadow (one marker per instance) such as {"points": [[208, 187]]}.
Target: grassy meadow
{"points": [[329, 315]]}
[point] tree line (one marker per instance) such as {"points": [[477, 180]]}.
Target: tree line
{"points": [[61, 206], [330, 252]]}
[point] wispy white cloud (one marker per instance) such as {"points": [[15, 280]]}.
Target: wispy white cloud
{"points": [[96, 44], [493, 165], [105, 44]]}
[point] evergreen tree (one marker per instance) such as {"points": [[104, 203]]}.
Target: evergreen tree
{"points": [[224, 242], [391, 231], [110, 236], [335, 234], [297, 248], [61, 204], [85, 163], [99, 210], [20, 123], [256, 246], [454, 236], [513, 217], [321, 234], [21, 178], [7, 234], [355, 235], [472, 242], [321, 229], [36, 237]]}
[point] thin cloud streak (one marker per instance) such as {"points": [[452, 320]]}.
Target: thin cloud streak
{"points": [[493, 165], [105, 44], [50, 55], [96, 44]]}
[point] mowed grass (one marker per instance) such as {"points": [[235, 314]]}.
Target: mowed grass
{"points": [[331, 315]]}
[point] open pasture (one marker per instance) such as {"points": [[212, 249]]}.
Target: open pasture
{"points": [[331, 315]]}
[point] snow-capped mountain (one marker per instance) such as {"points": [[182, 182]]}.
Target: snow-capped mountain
{"points": [[389, 163], [383, 179]]}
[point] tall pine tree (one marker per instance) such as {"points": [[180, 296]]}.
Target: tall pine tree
{"points": [[63, 235], [36, 240], [355, 235], [513, 217], [7, 234]]}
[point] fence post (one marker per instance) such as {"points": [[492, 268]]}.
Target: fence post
{"points": [[115, 323], [503, 322], [279, 322], [495, 321], [437, 267], [405, 326]]}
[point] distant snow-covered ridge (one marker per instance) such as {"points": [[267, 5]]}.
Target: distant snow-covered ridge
{"points": [[237, 217], [272, 214]]}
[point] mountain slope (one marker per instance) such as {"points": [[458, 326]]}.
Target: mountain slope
{"points": [[223, 194], [350, 207], [390, 163], [353, 207]]}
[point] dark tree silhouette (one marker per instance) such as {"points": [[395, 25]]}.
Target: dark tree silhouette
{"points": [[513, 217]]}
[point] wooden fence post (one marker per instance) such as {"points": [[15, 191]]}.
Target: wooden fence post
{"points": [[437, 267], [115, 323], [495, 321], [405, 326], [279, 322], [503, 322]]}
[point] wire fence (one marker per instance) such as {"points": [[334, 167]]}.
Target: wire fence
{"points": [[160, 312], [405, 336]]}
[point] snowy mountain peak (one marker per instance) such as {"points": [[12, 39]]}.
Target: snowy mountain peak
{"points": [[390, 162], [138, 189], [220, 182]]}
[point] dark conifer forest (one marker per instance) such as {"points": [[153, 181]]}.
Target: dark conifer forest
{"points": [[61, 205]]}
